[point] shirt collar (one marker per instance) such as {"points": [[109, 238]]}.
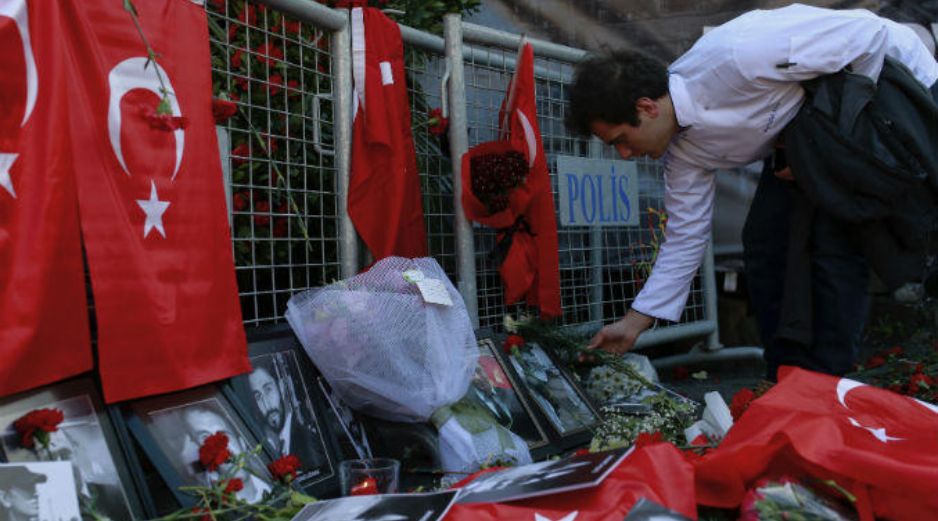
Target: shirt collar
{"points": [[684, 109]]}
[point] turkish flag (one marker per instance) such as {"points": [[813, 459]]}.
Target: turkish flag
{"points": [[43, 305], [518, 116], [657, 472], [384, 200], [151, 198], [881, 446]]}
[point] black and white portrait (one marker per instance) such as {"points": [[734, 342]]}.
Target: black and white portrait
{"points": [[563, 406], [542, 478], [493, 388], [386, 507], [38, 492], [180, 430], [348, 424], [276, 394], [80, 441]]}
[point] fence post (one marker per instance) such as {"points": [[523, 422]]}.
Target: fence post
{"points": [[342, 119], [458, 144]]}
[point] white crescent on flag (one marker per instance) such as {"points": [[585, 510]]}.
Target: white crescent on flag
{"points": [[18, 12], [135, 73], [569, 517], [529, 137]]}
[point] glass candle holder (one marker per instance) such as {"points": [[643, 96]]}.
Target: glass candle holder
{"points": [[359, 477]]}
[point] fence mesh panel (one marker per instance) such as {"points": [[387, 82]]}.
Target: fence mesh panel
{"points": [[277, 152], [607, 265]]}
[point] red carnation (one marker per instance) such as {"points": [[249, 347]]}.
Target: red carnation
{"points": [[214, 451], [240, 153], [512, 342], [919, 382], [285, 468], [436, 123], [236, 58], [741, 401], [240, 201], [275, 84], [36, 425], [269, 53], [875, 361], [233, 485], [262, 210], [222, 110]]}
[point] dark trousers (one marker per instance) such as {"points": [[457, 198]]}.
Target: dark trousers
{"points": [[839, 281]]}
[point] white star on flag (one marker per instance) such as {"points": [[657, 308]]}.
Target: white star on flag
{"points": [[569, 517], [154, 209], [879, 434], [6, 163]]}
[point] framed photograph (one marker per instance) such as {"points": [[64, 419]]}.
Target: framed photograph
{"points": [[85, 439], [496, 390], [38, 491], [171, 428], [283, 405], [346, 423], [552, 390]]}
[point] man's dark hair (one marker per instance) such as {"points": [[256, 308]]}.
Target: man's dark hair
{"points": [[606, 87]]}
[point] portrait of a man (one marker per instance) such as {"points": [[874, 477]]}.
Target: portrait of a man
{"points": [[181, 430], [19, 497], [280, 402], [37, 492], [80, 441], [493, 389], [353, 429], [549, 388]]}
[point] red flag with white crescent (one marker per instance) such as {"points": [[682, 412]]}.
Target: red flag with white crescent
{"points": [[518, 117], [879, 445], [384, 200], [151, 196], [43, 305]]}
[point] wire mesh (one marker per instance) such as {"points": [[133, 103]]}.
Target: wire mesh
{"points": [[601, 269], [279, 164], [425, 70]]}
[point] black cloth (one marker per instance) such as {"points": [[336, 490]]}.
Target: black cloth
{"points": [[867, 153], [807, 247], [306, 445]]}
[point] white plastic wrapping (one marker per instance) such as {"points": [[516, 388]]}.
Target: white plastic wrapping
{"points": [[384, 350]]}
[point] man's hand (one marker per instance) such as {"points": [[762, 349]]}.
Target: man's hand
{"points": [[620, 336]]}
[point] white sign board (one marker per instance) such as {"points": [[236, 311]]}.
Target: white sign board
{"points": [[597, 192]]}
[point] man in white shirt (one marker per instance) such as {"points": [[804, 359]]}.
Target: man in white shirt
{"points": [[723, 104]]}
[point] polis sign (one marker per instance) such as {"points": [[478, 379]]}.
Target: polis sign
{"points": [[597, 192]]}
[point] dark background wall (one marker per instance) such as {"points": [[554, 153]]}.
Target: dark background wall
{"points": [[665, 28]]}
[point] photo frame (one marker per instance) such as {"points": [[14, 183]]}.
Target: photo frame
{"points": [[281, 403], [346, 423], [555, 394], [497, 390], [170, 428], [87, 439]]}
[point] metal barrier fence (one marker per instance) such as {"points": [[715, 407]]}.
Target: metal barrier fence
{"points": [[286, 155]]}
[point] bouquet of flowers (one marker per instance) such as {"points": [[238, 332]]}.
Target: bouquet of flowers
{"points": [[494, 174], [390, 351]]}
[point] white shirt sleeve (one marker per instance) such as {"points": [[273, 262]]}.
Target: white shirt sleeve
{"points": [[688, 201], [799, 43]]}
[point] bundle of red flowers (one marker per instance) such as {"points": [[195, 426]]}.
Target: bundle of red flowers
{"points": [[214, 451], [495, 175], [36, 426]]}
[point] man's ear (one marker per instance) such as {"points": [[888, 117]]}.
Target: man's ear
{"points": [[647, 106]]}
